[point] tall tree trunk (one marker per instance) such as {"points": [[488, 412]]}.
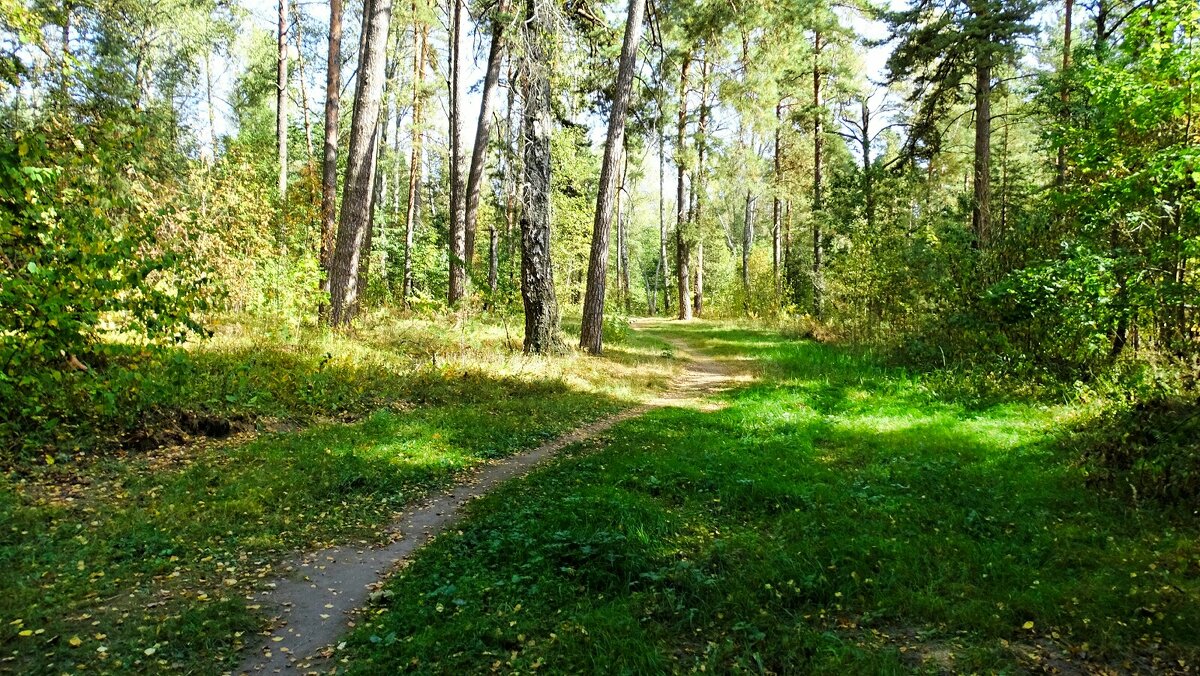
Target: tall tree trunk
{"points": [[333, 86], [281, 101], [747, 246], [981, 216], [397, 178], [416, 159], [868, 180], [1100, 38], [493, 259], [1069, 9], [64, 71], [457, 239], [622, 235], [618, 216], [511, 153], [356, 199], [623, 249], [699, 180], [308, 135], [542, 332], [664, 271], [364, 268], [483, 132], [776, 204], [788, 283], [591, 333], [818, 247], [210, 108], [652, 289], [682, 249]]}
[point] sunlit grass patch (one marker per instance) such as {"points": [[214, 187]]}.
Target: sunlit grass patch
{"points": [[838, 516], [157, 551]]}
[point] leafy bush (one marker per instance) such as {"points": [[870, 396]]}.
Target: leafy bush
{"points": [[1150, 448], [92, 283]]}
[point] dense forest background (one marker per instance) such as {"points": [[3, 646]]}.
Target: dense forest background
{"points": [[1012, 200]]}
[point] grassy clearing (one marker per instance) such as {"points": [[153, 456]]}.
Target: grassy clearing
{"points": [[836, 517], [143, 562], [257, 374]]}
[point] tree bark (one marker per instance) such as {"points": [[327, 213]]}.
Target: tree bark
{"points": [[457, 239], [308, 135], [682, 250], [623, 257], [981, 216], [493, 259], [542, 333], [818, 249], [622, 236], [1069, 8], [747, 246], [483, 130], [511, 153], [663, 274], [281, 101], [591, 333], [699, 180], [364, 268], [776, 205], [64, 71], [868, 180], [416, 159], [356, 198], [333, 86]]}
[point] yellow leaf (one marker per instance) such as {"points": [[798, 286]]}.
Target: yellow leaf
{"points": [[1027, 625], [25, 632], [75, 641]]}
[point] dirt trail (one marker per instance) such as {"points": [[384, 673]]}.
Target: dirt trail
{"points": [[315, 605]]}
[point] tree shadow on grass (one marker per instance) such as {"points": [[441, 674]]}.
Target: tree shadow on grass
{"points": [[154, 539], [776, 533]]}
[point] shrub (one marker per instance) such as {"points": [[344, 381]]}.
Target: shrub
{"points": [[91, 283]]}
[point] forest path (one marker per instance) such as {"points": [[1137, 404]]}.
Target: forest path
{"points": [[316, 604]]}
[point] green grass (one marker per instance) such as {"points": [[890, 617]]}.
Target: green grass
{"points": [[837, 516], [143, 562]]}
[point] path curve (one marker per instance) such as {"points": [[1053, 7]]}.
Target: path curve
{"points": [[316, 604]]}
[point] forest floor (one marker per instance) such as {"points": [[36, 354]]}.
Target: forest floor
{"points": [[835, 516], [150, 560], [318, 601], [832, 515]]}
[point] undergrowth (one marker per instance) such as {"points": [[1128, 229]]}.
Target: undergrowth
{"points": [[838, 517]]}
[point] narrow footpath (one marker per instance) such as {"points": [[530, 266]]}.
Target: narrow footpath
{"points": [[317, 603]]}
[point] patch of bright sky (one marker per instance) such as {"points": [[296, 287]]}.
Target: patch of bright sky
{"points": [[261, 15]]}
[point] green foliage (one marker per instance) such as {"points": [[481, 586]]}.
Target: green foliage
{"points": [[940, 43], [574, 182], [1144, 449], [1134, 152], [95, 273], [835, 517], [153, 561]]}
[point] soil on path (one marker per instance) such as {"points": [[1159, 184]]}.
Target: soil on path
{"points": [[316, 604]]}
